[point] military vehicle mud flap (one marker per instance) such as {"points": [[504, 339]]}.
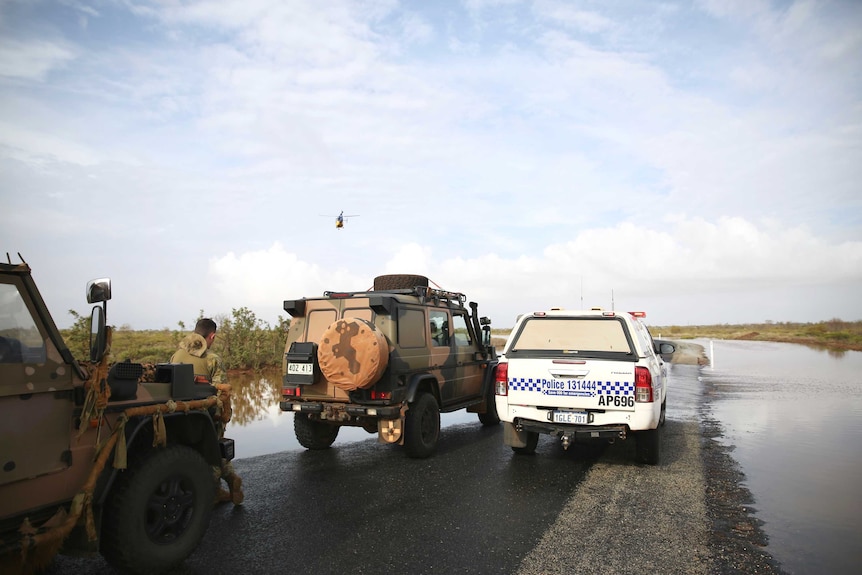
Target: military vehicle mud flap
{"points": [[390, 430], [352, 354]]}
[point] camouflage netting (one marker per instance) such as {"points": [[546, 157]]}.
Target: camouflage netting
{"points": [[352, 354]]}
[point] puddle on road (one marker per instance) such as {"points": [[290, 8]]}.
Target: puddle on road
{"points": [[794, 417]]}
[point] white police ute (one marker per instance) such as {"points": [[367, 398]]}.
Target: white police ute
{"points": [[583, 376]]}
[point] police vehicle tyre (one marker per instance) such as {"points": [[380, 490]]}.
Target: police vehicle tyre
{"points": [[663, 417], [422, 427], [399, 281], [532, 443], [158, 510], [648, 446], [314, 434], [490, 417]]}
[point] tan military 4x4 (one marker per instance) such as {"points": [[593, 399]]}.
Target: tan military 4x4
{"points": [[389, 360], [97, 461]]}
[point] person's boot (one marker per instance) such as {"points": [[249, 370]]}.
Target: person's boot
{"points": [[236, 494]]}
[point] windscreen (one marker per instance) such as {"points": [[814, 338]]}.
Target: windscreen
{"points": [[572, 335]]}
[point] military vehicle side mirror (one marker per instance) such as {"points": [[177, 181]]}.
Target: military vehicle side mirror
{"points": [[99, 290], [97, 333]]}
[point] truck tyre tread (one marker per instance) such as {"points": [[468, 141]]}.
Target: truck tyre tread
{"points": [[314, 435], [178, 484], [422, 427]]}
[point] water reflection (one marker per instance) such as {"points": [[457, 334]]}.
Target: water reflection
{"points": [[253, 394], [793, 414]]}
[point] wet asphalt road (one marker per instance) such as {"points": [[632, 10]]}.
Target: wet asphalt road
{"points": [[474, 507]]}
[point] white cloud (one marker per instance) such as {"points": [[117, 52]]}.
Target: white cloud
{"points": [[31, 60]]}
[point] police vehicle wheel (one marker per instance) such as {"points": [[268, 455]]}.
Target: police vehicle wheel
{"points": [[532, 443], [663, 417], [399, 281], [314, 434], [422, 427], [158, 510], [648, 446]]}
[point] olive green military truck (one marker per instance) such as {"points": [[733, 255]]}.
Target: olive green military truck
{"points": [[390, 360], [91, 459]]}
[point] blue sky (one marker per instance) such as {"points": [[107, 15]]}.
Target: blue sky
{"points": [[697, 160]]}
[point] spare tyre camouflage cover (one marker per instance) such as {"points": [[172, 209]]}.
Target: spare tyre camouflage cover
{"points": [[352, 354]]}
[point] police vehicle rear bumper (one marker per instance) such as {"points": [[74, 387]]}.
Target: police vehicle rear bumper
{"points": [[575, 432]]}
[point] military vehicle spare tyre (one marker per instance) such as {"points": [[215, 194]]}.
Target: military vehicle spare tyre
{"points": [[159, 510], [352, 354], [399, 281]]}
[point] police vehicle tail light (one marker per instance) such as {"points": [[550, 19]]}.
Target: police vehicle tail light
{"points": [[640, 314], [643, 385], [501, 379], [290, 391]]}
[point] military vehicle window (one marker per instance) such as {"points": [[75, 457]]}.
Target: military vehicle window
{"points": [[411, 328], [439, 325], [462, 334], [318, 321], [360, 313], [20, 340]]}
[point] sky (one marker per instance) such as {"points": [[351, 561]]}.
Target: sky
{"points": [[697, 160]]}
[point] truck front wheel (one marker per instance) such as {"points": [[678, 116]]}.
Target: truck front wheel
{"points": [[422, 427], [313, 434], [158, 510]]}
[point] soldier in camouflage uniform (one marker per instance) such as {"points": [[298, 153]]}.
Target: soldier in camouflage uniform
{"points": [[208, 368]]}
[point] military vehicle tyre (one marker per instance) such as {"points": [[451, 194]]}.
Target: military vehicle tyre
{"points": [[399, 281], [490, 417], [532, 443], [314, 434], [158, 511], [422, 427], [648, 446]]}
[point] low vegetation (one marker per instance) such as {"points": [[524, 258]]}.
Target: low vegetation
{"points": [[833, 334], [245, 342]]}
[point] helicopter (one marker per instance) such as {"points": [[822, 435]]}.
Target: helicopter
{"points": [[340, 219]]}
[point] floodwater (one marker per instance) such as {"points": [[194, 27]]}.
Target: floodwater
{"points": [[794, 417]]}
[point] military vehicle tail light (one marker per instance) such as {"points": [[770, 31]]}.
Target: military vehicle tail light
{"points": [[643, 385], [501, 379], [381, 394], [290, 391]]}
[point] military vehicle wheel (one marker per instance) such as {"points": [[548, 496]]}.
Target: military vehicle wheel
{"points": [[158, 511], [399, 281], [422, 427], [648, 446], [490, 417], [532, 443], [313, 434]]}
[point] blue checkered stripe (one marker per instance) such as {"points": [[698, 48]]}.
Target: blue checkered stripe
{"points": [[615, 388], [623, 388], [524, 384]]}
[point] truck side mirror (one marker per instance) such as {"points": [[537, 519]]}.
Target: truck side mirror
{"points": [[97, 334]]}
